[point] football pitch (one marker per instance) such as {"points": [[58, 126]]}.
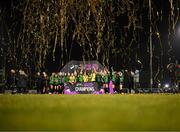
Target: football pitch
{"points": [[90, 112]]}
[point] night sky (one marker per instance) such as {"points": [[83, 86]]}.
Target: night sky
{"points": [[115, 61]]}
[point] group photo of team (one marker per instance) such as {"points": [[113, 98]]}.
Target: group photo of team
{"points": [[103, 80], [55, 82]]}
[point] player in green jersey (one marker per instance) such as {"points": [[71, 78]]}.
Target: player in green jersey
{"points": [[99, 80], [80, 77], [61, 84], [56, 83], [51, 83], [66, 77], [114, 79], [105, 80]]}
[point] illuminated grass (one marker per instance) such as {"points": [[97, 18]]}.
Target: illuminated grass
{"points": [[90, 112]]}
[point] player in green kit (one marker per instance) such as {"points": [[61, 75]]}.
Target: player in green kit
{"points": [[99, 80], [105, 80], [66, 78], [51, 83], [56, 83], [61, 84], [114, 78], [80, 77]]}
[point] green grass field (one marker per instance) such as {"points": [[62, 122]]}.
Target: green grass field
{"points": [[90, 112]]}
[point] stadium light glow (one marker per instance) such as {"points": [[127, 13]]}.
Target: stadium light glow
{"points": [[166, 85], [159, 85], [176, 86]]}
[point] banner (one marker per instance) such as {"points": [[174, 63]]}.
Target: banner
{"points": [[82, 88]]}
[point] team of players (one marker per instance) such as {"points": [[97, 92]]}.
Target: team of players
{"points": [[54, 83], [57, 80]]}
